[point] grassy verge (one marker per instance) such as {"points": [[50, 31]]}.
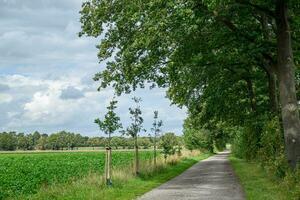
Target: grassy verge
{"points": [[125, 185], [259, 185]]}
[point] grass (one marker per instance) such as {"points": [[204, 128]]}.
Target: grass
{"points": [[125, 185], [259, 185]]}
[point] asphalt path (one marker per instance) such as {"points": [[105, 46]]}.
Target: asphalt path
{"points": [[210, 179]]}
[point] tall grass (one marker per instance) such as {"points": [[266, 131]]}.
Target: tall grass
{"points": [[147, 168]]}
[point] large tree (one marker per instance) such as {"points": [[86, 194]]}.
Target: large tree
{"points": [[182, 45]]}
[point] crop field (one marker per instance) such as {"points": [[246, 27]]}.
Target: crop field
{"points": [[25, 173]]}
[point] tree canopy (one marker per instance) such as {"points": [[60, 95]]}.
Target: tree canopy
{"points": [[227, 61], [111, 121]]}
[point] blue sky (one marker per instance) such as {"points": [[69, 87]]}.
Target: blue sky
{"points": [[46, 73]]}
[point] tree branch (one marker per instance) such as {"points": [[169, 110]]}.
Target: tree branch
{"points": [[257, 7], [234, 29]]}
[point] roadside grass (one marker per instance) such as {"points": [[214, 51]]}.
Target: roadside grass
{"points": [[125, 185], [259, 185]]}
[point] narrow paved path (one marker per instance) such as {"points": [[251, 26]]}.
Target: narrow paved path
{"points": [[210, 179]]}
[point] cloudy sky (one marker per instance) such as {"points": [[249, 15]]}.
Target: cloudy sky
{"points": [[46, 73]]}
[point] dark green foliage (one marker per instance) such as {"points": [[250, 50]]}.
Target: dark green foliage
{"points": [[218, 58], [271, 153], [238, 144], [263, 141], [198, 139], [230, 63], [252, 136], [8, 141], [168, 144], [25, 142], [65, 141], [220, 139], [207, 135], [247, 139]]}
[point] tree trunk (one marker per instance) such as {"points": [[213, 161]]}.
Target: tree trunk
{"points": [[286, 76], [272, 84], [269, 69], [108, 161], [136, 156], [155, 150], [251, 94]]}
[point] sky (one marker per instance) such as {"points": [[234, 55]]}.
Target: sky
{"points": [[46, 74]]}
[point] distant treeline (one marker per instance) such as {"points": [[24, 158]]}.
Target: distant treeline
{"points": [[10, 141]]}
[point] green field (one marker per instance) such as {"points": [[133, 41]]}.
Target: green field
{"points": [[25, 173]]}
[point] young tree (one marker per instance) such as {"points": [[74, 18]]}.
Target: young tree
{"points": [[134, 128], [168, 143], [109, 125], [180, 143], [156, 129]]}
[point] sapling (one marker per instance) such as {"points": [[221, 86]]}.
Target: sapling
{"points": [[156, 129], [134, 128], [168, 143], [109, 125]]}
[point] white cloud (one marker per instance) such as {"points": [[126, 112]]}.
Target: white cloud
{"points": [[43, 108], [47, 107]]}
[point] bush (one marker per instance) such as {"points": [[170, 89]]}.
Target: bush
{"points": [[238, 144], [168, 143], [198, 139], [262, 141], [271, 154], [246, 142]]}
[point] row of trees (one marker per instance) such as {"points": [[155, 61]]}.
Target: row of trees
{"points": [[111, 123], [233, 63], [63, 140]]}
